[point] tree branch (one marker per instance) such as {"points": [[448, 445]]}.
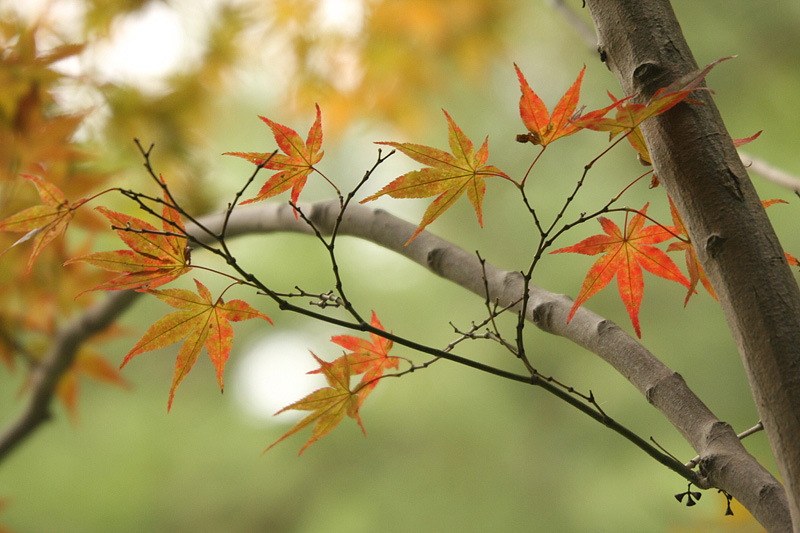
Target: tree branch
{"points": [[724, 462]]}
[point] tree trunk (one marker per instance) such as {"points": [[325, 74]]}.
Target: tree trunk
{"points": [[695, 159]]}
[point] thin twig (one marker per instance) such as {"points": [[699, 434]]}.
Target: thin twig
{"points": [[582, 28]]}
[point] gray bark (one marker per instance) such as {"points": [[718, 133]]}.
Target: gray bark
{"points": [[695, 159]]}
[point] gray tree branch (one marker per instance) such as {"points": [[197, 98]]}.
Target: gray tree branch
{"points": [[724, 463]]}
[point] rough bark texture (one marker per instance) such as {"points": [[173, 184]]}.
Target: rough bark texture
{"points": [[696, 161]]}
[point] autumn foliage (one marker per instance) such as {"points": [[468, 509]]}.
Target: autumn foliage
{"points": [[159, 253], [624, 255]]}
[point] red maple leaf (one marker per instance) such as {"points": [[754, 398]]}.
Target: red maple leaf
{"points": [[203, 321], [624, 255], [43, 223], [295, 166], [155, 257], [448, 175], [746, 140], [543, 127]]}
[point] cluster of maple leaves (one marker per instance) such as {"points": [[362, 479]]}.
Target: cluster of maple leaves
{"points": [[156, 256]]}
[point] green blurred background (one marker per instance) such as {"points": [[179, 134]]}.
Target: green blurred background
{"points": [[448, 449]]}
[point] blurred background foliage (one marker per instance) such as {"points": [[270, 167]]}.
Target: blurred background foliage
{"points": [[448, 449]]}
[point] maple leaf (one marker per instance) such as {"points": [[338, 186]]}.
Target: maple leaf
{"points": [[631, 114], [43, 223], [543, 127], [329, 405], [155, 257], [624, 255], [365, 357], [448, 175], [746, 140], [696, 272], [203, 322], [295, 166]]}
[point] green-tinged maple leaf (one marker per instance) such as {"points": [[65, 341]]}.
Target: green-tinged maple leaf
{"points": [[203, 321], [155, 257], [368, 357], [624, 255], [696, 272], [43, 223], [295, 164], [630, 114], [543, 127], [329, 405], [87, 364], [447, 175]]}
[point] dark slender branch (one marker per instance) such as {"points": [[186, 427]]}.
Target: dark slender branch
{"points": [[239, 195]]}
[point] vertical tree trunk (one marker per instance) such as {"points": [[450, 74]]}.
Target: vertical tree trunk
{"points": [[696, 161]]}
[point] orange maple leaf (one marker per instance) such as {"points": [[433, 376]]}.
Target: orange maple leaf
{"points": [[365, 357], [543, 127], [448, 175], [329, 405], [623, 257], [295, 166], [43, 223], [203, 322], [630, 114], [746, 140], [696, 272], [155, 257]]}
